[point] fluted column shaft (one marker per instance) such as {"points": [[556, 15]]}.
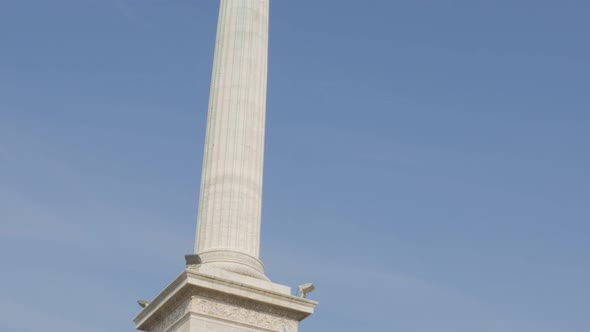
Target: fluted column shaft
{"points": [[230, 200]]}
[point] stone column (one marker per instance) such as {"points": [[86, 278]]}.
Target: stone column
{"points": [[228, 231], [224, 288]]}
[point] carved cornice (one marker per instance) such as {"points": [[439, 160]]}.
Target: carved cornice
{"points": [[260, 307], [172, 317], [229, 310], [223, 299]]}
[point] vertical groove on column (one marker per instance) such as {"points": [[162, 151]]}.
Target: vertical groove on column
{"points": [[221, 140], [241, 120], [238, 112], [204, 199], [232, 112]]}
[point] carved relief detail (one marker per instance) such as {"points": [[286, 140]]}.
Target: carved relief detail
{"points": [[242, 315], [171, 318]]}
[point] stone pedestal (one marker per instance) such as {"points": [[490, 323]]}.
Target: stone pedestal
{"points": [[202, 301]]}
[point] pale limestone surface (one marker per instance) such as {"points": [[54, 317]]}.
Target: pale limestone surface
{"points": [[224, 288], [228, 231], [196, 302]]}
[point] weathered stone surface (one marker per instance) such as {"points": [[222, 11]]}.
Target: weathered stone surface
{"points": [[197, 302], [231, 184], [224, 288]]}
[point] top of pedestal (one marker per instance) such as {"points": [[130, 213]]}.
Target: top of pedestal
{"points": [[265, 295]]}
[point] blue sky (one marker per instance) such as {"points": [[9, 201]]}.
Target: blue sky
{"points": [[426, 161]]}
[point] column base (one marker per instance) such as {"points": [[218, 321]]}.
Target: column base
{"points": [[228, 260]]}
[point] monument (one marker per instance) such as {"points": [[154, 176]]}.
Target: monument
{"points": [[224, 287]]}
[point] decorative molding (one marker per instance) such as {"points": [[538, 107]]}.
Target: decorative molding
{"points": [[208, 296], [252, 305], [171, 318], [231, 261], [232, 311], [225, 255]]}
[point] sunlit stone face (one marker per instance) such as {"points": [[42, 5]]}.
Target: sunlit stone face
{"points": [[228, 232]]}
